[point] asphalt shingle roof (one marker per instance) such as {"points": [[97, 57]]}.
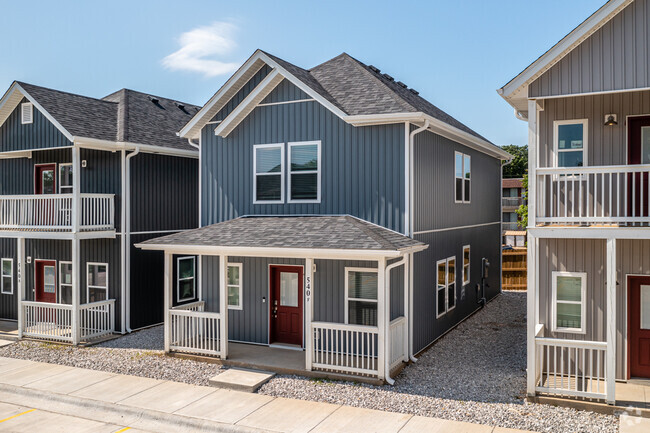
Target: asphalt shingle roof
{"points": [[358, 90], [125, 115], [320, 232]]}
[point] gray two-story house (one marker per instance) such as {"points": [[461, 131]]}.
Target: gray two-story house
{"points": [[81, 180], [342, 216]]}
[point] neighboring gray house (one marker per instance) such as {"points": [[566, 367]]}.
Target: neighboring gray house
{"points": [[81, 180], [587, 104], [341, 214]]}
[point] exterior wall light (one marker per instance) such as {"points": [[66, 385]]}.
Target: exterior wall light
{"points": [[610, 120]]}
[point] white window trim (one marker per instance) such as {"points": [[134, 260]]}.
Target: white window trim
{"points": [[446, 287], [348, 298], [255, 174], [60, 166], [469, 275], [582, 303], [61, 283], [179, 279], [31, 113], [585, 140], [462, 177], [317, 171], [239, 286], [2, 277], [89, 286]]}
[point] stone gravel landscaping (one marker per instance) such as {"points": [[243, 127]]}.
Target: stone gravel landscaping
{"points": [[476, 373]]}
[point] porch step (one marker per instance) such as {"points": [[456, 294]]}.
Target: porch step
{"points": [[240, 379], [4, 343]]}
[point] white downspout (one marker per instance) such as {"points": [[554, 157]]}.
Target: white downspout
{"points": [[387, 300], [411, 231], [191, 143], [127, 235]]}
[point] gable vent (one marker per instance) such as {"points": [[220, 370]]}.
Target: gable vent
{"points": [[26, 113], [388, 77], [415, 92], [401, 84], [374, 69]]}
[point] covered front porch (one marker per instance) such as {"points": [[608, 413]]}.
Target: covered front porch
{"points": [[336, 303]]}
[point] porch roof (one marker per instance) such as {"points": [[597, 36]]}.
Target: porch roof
{"points": [[262, 233]]}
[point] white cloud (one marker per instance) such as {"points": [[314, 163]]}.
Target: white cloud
{"points": [[200, 46]]}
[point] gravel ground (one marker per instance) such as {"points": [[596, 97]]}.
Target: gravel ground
{"points": [[476, 373], [137, 354]]}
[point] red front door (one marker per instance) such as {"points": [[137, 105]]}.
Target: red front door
{"points": [[638, 312], [45, 179], [45, 281], [286, 304], [638, 152]]}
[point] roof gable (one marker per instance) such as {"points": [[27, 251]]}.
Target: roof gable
{"points": [[516, 90]]}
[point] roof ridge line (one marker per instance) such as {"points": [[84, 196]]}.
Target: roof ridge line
{"points": [[21, 83]]}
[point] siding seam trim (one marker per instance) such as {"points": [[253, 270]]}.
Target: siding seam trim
{"points": [[455, 228]]}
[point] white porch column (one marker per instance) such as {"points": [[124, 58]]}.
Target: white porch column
{"points": [[20, 253], [532, 161], [531, 300], [223, 305], [76, 288], [407, 313], [309, 312], [610, 368], [168, 298], [382, 319]]}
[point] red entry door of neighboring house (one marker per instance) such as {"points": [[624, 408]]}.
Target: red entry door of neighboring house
{"points": [[286, 304], [638, 152], [45, 281], [638, 313]]}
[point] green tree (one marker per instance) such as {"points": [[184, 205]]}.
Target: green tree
{"points": [[519, 165], [523, 209]]}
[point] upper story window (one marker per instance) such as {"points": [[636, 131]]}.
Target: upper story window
{"points": [[268, 161], [569, 302], [304, 172], [570, 143], [26, 113], [462, 177]]}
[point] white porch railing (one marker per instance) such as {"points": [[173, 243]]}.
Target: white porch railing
{"points": [[192, 306], [96, 319], [195, 331], [47, 321], [396, 341], [345, 348], [53, 212], [571, 367], [593, 195]]}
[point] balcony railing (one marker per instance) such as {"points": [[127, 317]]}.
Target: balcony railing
{"points": [[512, 201], [593, 195], [511, 226], [54, 212]]}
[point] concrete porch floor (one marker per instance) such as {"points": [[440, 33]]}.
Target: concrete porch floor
{"points": [[275, 359], [8, 330]]}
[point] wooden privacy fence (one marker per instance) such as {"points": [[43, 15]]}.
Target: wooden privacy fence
{"points": [[514, 269]]}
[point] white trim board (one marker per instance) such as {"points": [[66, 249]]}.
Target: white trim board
{"points": [[455, 228]]}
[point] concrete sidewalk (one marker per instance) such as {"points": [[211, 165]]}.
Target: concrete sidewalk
{"points": [[158, 405]]}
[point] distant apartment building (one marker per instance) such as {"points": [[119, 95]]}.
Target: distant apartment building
{"points": [[512, 198]]}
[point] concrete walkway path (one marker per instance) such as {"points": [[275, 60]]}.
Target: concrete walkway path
{"points": [[28, 390]]}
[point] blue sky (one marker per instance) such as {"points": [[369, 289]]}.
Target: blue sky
{"points": [[455, 53]]}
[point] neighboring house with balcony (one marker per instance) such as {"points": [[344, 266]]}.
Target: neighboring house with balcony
{"points": [[587, 104], [512, 198], [81, 180], [343, 216]]}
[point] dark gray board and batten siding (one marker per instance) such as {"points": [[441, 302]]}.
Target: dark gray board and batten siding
{"points": [[9, 302], [362, 168], [615, 57], [40, 134]]}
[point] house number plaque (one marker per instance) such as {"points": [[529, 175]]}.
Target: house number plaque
{"points": [[308, 287]]}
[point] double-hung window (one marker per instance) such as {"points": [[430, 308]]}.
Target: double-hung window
{"points": [[462, 175], [570, 143], [569, 302], [65, 282], [185, 280], [268, 162], [446, 286], [361, 296], [466, 275], [65, 178], [235, 286], [97, 282], [7, 271], [304, 172]]}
